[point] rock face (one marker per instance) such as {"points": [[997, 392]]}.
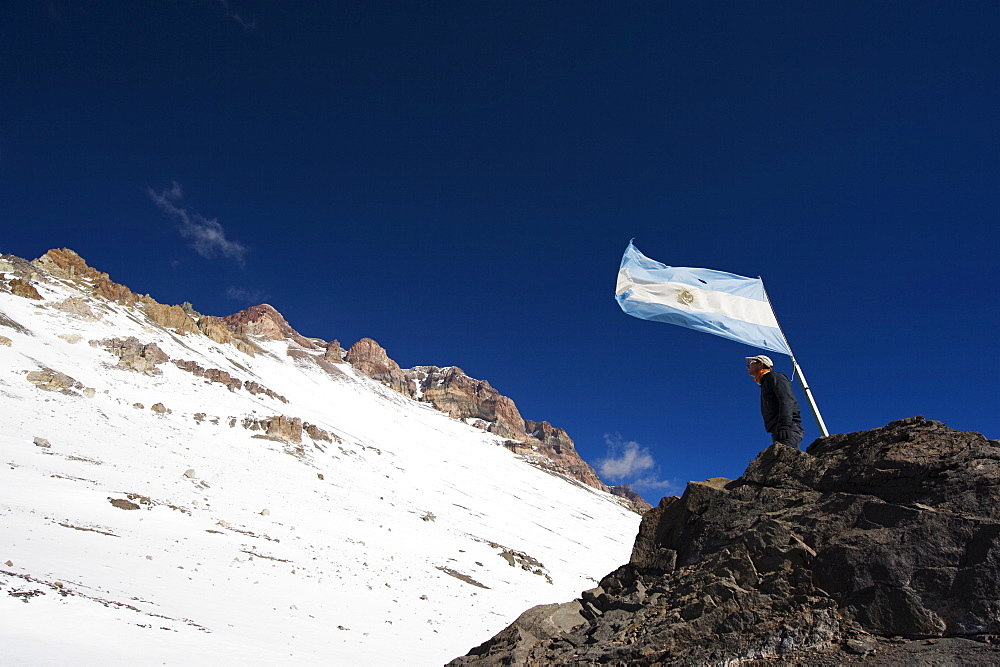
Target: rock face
{"points": [[880, 546], [451, 390], [264, 320], [370, 358]]}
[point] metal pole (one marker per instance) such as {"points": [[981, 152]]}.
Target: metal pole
{"points": [[809, 396], [798, 370]]}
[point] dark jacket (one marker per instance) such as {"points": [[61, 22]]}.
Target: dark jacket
{"points": [[778, 405]]}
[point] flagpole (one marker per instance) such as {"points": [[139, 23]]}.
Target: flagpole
{"points": [[798, 370]]}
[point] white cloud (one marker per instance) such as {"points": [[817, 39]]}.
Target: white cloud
{"points": [[630, 463], [625, 459], [207, 236]]}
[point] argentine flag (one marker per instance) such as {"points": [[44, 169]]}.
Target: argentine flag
{"points": [[714, 302]]}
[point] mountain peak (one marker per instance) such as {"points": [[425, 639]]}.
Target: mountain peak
{"points": [[265, 321]]}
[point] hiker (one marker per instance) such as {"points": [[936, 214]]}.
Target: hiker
{"points": [[778, 405]]}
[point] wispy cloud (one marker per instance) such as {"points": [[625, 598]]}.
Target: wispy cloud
{"points": [[628, 462], [245, 24], [207, 236], [242, 295]]}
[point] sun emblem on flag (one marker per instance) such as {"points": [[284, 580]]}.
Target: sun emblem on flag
{"points": [[685, 297]]}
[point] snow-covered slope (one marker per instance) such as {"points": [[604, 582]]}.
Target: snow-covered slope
{"points": [[180, 536]]}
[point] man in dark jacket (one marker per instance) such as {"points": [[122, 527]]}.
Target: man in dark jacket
{"points": [[778, 405]]}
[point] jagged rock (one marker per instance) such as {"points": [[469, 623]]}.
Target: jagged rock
{"points": [[216, 375], [454, 392], [171, 317], [5, 341], [370, 358], [190, 366], [862, 545], [135, 356], [334, 353], [23, 288], [278, 427], [65, 263], [255, 388], [51, 380], [159, 408], [42, 442], [316, 433], [216, 329], [264, 320]]}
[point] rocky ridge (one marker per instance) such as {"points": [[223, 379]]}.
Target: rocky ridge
{"points": [[447, 389], [479, 404], [878, 547]]}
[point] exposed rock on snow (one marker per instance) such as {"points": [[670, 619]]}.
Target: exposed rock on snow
{"points": [[51, 380], [23, 288], [133, 355]]}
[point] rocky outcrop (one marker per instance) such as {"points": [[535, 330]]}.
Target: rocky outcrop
{"points": [[23, 288], [171, 317], [66, 264], [134, 355], [51, 380], [557, 447], [861, 548], [279, 427], [334, 353], [215, 328], [370, 358], [265, 321], [451, 390]]}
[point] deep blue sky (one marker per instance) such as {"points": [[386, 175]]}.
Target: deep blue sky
{"points": [[458, 180]]}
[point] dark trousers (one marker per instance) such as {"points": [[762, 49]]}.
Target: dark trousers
{"points": [[794, 437]]}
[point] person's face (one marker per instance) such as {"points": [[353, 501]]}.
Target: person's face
{"points": [[753, 367]]}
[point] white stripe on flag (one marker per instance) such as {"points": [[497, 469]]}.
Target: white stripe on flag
{"points": [[696, 300]]}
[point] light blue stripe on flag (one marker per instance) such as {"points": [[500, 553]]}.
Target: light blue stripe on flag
{"points": [[714, 302]]}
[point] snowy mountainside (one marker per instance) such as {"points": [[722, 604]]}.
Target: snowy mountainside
{"points": [[168, 498]]}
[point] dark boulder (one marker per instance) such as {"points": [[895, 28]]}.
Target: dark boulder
{"points": [[873, 546]]}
